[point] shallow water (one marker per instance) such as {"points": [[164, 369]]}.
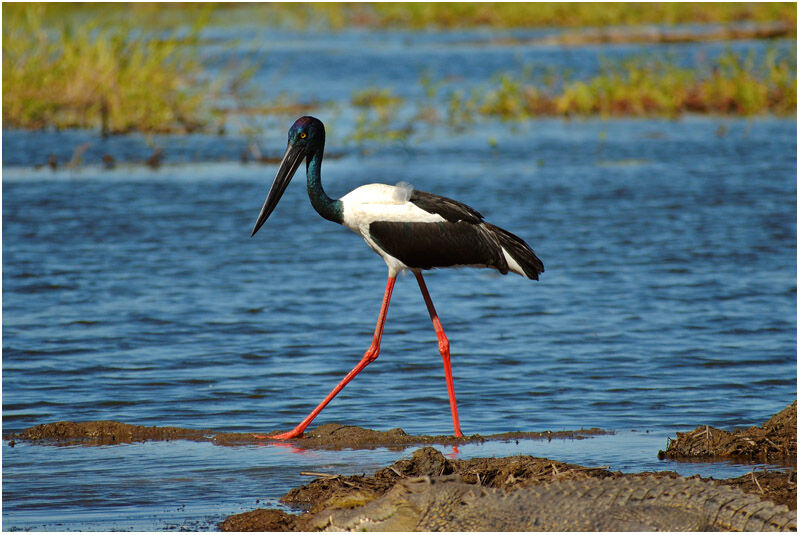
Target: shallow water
{"points": [[188, 485], [136, 295], [668, 300]]}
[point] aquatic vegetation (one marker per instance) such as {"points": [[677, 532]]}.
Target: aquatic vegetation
{"points": [[378, 118], [373, 97], [92, 66], [381, 127], [338, 15], [742, 86], [548, 14], [653, 86], [643, 86], [86, 74]]}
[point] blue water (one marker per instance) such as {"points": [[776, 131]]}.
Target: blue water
{"points": [[137, 295]]}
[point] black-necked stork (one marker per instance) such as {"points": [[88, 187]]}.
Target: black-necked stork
{"points": [[411, 230]]}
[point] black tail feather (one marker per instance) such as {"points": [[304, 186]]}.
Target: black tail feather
{"points": [[520, 251]]}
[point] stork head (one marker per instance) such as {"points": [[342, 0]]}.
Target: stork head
{"points": [[306, 137], [307, 132]]}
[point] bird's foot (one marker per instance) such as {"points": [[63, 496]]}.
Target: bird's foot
{"points": [[287, 435], [279, 436]]}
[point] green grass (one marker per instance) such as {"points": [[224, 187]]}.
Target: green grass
{"points": [[373, 97], [93, 66], [377, 116], [420, 15], [575, 14], [643, 87], [79, 71]]}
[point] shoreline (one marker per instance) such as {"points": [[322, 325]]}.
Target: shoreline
{"points": [[338, 496], [330, 436]]}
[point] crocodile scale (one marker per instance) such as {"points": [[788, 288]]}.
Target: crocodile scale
{"points": [[625, 504]]}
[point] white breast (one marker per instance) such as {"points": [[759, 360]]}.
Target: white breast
{"points": [[381, 202]]}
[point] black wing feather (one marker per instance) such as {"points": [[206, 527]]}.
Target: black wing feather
{"points": [[443, 244], [520, 251], [463, 239], [449, 209]]}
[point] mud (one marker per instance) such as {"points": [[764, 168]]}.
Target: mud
{"points": [[327, 436], [776, 486], [337, 436], [263, 520], [104, 433], [333, 492], [774, 441]]}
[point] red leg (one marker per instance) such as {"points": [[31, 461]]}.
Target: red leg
{"points": [[369, 356], [444, 349]]}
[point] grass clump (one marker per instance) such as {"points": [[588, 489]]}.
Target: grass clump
{"points": [[731, 85], [645, 86], [742, 86], [373, 97], [377, 119], [83, 73], [651, 86]]}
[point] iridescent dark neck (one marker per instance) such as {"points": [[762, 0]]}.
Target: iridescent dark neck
{"points": [[328, 208]]}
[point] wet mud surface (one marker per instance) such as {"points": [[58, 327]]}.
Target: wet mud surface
{"points": [[105, 433], [774, 441], [327, 436]]}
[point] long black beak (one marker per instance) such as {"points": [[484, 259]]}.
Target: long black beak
{"points": [[289, 164]]}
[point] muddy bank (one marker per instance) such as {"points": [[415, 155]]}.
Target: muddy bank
{"points": [[774, 441], [327, 436], [331, 493], [337, 436], [105, 433]]}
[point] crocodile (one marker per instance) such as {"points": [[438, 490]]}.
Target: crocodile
{"points": [[625, 504]]}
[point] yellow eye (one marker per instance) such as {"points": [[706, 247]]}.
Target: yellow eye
{"points": [[302, 135]]}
